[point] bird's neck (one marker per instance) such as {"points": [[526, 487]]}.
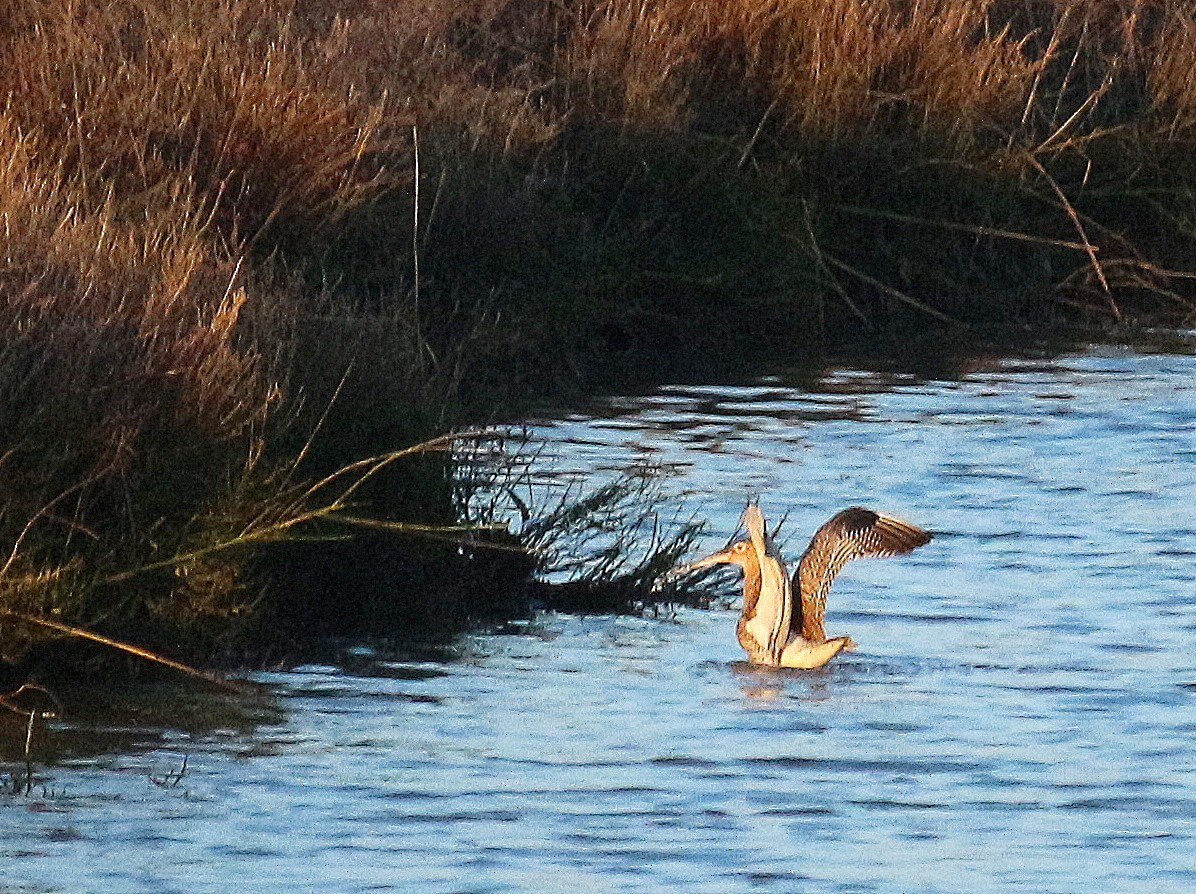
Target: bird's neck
{"points": [[751, 588]]}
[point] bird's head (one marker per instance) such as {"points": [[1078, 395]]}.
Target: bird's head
{"points": [[747, 553], [740, 554]]}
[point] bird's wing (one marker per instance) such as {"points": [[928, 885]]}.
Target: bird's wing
{"points": [[770, 622], [851, 534]]}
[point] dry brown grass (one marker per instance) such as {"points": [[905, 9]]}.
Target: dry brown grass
{"points": [[125, 387], [849, 68], [844, 68], [829, 68], [1171, 75], [217, 106]]}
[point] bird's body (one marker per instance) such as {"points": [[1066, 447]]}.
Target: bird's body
{"points": [[774, 629]]}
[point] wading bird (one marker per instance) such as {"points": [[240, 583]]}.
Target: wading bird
{"points": [[772, 629]]}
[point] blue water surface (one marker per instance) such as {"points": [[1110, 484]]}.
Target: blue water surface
{"points": [[1019, 716]]}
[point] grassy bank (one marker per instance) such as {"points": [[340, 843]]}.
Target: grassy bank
{"points": [[247, 245]]}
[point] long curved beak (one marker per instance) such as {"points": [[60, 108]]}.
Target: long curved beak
{"points": [[722, 557]]}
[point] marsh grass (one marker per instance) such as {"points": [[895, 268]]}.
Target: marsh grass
{"points": [[212, 226], [611, 548]]}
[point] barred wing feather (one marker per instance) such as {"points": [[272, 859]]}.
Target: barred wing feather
{"points": [[854, 533]]}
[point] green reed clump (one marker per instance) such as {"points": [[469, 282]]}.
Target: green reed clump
{"points": [[611, 548]]}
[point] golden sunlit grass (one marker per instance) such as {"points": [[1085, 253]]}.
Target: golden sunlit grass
{"points": [[211, 224]]}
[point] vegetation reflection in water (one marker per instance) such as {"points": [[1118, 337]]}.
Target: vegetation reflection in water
{"points": [[1018, 715]]}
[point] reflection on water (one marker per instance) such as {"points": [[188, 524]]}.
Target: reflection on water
{"points": [[1019, 715]]}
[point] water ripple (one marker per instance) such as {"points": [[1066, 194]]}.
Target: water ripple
{"points": [[1018, 717]]}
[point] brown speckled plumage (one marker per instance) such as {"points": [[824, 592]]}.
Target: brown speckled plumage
{"points": [[772, 629], [854, 533]]}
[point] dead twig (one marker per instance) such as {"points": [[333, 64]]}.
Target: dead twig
{"points": [[974, 229], [147, 654], [7, 701], [1074, 216], [831, 279], [891, 291], [297, 513]]}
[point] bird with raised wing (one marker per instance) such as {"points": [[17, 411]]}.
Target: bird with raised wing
{"points": [[775, 630]]}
